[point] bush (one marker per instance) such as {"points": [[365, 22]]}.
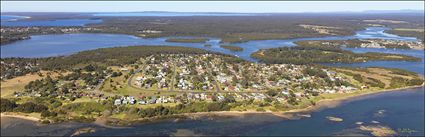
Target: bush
{"points": [[416, 81], [7, 105], [261, 109], [47, 113], [30, 107]]}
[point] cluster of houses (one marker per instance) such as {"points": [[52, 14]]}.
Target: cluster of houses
{"points": [[46, 29], [380, 43], [10, 34], [189, 97], [155, 74], [192, 73], [283, 95], [201, 72], [143, 100], [10, 70]]}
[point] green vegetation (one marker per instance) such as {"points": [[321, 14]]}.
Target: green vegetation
{"points": [[378, 77], [105, 56], [27, 107], [313, 52], [232, 48], [229, 29], [417, 33], [397, 82], [187, 40]]}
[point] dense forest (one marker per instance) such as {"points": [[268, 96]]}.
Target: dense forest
{"points": [[307, 53]]}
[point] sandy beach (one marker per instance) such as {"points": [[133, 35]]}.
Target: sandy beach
{"points": [[21, 116]]}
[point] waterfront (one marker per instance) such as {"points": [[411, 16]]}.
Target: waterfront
{"points": [[399, 110]]}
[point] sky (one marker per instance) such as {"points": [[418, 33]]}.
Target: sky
{"points": [[207, 6]]}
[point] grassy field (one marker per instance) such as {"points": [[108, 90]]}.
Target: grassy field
{"points": [[17, 84]]}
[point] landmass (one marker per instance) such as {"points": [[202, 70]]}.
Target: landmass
{"points": [[409, 32], [232, 48], [126, 85], [228, 29]]}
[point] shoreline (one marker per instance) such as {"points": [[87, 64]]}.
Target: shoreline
{"points": [[291, 114], [20, 116]]}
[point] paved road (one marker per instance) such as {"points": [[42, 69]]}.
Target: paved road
{"points": [[129, 81]]}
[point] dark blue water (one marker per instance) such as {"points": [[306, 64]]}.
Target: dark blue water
{"points": [[169, 14], [56, 22], [401, 110]]}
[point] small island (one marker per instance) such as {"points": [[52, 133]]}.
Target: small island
{"points": [[231, 48], [187, 40]]}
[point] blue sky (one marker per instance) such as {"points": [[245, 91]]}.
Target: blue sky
{"points": [[206, 6]]}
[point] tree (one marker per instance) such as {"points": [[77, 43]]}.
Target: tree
{"points": [[272, 92], [7, 105], [46, 113]]}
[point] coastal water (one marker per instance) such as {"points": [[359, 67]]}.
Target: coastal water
{"points": [[401, 110]]}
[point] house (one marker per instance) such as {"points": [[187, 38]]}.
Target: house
{"points": [[117, 102], [152, 100], [142, 102], [285, 92], [124, 69]]}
